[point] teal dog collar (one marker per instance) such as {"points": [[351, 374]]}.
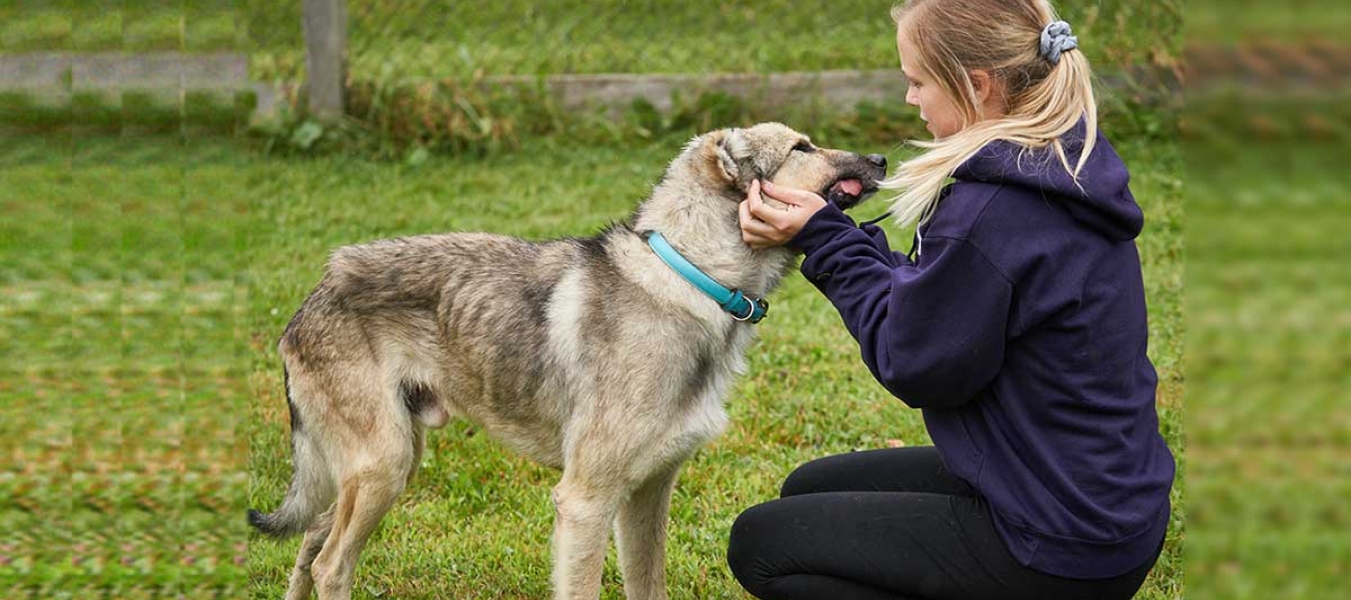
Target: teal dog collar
{"points": [[738, 304]]}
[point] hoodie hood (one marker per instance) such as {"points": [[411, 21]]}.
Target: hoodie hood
{"points": [[1101, 199]]}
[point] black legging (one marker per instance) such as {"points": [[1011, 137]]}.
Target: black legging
{"points": [[889, 524]]}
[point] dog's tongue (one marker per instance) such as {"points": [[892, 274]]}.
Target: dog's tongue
{"points": [[853, 187]]}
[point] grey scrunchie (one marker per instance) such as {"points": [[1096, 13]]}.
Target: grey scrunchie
{"points": [[1056, 38]]}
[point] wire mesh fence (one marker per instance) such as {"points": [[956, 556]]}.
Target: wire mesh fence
{"points": [[443, 39]]}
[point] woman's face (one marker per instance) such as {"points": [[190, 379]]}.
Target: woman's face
{"points": [[940, 113]]}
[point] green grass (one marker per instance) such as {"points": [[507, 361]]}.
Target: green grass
{"points": [[123, 381], [121, 26], [1269, 345], [1235, 21]]}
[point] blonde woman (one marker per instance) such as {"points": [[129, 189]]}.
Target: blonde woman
{"points": [[1017, 325]]}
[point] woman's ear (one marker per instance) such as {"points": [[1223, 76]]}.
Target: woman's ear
{"points": [[980, 80], [989, 92]]}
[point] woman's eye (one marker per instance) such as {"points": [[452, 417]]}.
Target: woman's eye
{"points": [[804, 147]]}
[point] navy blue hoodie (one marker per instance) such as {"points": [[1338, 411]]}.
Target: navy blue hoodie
{"points": [[1020, 330]]}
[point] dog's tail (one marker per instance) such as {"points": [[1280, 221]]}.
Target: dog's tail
{"points": [[312, 488]]}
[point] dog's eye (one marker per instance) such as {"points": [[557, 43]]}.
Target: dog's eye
{"points": [[804, 146]]}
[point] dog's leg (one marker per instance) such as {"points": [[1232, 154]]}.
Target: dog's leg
{"points": [[365, 494], [582, 513], [301, 582], [419, 446], [640, 533], [362, 502]]}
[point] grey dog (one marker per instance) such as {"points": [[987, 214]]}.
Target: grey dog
{"points": [[590, 355]]}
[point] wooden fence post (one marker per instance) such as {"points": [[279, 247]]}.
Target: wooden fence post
{"points": [[325, 23]]}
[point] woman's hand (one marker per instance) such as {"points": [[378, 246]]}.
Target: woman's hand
{"points": [[763, 226]]}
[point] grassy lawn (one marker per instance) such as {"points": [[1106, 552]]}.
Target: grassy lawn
{"points": [[121, 276], [121, 26], [1269, 346], [156, 276]]}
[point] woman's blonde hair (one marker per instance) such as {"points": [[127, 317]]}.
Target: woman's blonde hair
{"points": [[952, 38]]}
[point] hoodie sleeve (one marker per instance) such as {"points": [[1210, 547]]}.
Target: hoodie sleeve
{"points": [[931, 333]]}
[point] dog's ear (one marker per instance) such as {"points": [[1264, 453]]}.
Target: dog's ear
{"points": [[729, 147]]}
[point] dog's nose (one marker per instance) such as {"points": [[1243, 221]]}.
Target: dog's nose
{"points": [[878, 160]]}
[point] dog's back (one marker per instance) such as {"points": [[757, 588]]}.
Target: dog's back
{"points": [[500, 330]]}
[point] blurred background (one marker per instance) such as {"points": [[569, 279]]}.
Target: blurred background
{"points": [[172, 174]]}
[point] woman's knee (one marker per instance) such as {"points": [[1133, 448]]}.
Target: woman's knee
{"points": [[742, 541], [748, 546], [811, 477]]}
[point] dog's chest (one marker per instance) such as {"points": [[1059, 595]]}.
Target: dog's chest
{"points": [[703, 414]]}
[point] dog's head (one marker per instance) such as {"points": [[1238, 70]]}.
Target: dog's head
{"points": [[776, 153]]}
